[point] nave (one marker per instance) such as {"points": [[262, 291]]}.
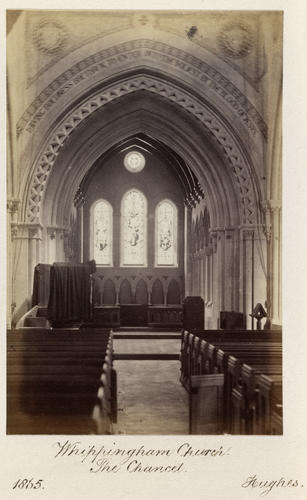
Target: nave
{"points": [[95, 381], [151, 399]]}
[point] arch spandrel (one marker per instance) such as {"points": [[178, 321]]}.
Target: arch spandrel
{"points": [[199, 75], [80, 71]]}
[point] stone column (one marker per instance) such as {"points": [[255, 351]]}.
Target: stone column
{"points": [[229, 265], [253, 272], [188, 265], [219, 271], [208, 275], [26, 253], [247, 242], [51, 243], [273, 228], [79, 203], [12, 210], [214, 302], [35, 240]]}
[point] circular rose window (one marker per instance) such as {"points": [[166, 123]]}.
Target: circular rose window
{"points": [[134, 161]]}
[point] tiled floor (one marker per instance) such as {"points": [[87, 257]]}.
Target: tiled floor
{"points": [[151, 399], [148, 346]]}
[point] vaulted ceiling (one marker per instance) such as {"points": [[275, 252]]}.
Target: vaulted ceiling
{"points": [[190, 186]]}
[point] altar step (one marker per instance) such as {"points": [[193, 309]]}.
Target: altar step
{"points": [[146, 356], [143, 335], [146, 333]]}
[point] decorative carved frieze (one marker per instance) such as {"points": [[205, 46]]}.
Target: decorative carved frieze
{"points": [[136, 50], [26, 231]]}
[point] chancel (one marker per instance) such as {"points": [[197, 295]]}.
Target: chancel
{"points": [[144, 222]]}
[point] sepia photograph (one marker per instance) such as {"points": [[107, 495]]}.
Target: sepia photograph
{"points": [[144, 198]]}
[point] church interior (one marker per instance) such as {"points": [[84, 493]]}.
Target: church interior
{"points": [[144, 222]]}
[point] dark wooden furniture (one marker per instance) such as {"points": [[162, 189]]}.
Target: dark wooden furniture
{"points": [[60, 382], [251, 363]]}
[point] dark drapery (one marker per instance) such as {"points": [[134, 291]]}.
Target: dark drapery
{"points": [[41, 285], [70, 292]]}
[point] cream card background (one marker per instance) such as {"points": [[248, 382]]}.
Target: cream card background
{"points": [[270, 457]]}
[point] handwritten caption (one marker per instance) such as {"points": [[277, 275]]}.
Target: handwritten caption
{"points": [[114, 459], [265, 486]]}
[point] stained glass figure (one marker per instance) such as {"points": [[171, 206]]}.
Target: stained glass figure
{"points": [[101, 238], [166, 234], [134, 230]]}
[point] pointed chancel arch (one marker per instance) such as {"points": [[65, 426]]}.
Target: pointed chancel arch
{"points": [[181, 95]]}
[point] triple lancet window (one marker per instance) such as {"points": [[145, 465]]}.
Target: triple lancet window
{"points": [[133, 232]]}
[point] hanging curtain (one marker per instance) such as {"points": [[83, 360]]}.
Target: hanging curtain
{"points": [[41, 282], [70, 292]]}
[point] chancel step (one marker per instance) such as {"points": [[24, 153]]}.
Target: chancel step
{"points": [[142, 335], [144, 356]]}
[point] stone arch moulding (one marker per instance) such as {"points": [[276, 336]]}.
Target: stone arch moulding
{"points": [[243, 172], [218, 181]]}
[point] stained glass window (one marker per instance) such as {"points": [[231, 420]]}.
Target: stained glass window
{"points": [[101, 238], [166, 234], [134, 229]]}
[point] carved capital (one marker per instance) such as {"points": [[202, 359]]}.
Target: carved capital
{"points": [[271, 206], [26, 231], [35, 232], [12, 205], [247, 233], [229, 233], [14, 232], [52, 231]]}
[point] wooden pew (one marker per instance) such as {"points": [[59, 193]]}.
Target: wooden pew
{"points": [[60, 381], [214, 359], [243, 358]]}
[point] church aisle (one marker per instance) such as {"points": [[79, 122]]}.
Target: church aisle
{"points": [[151, 399]]}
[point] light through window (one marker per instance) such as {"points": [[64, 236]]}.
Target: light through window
{"points": [[101, 229], [134, 230], [166, 234]]}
